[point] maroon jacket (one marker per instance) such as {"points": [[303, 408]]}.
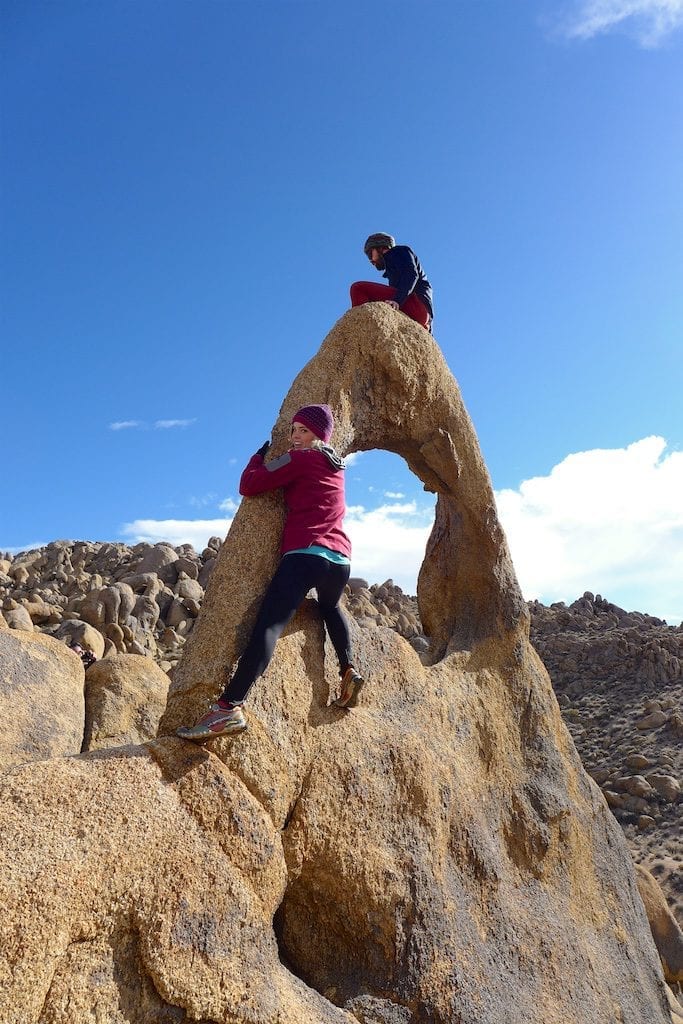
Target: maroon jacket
{"points": [[313, 483]]}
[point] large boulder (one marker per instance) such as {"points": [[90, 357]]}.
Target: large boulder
{"points": [[437, 855], [144, 895], [39, 611], [75, 631], [17, 617], [41, 698], [160, 559], [125, 696]]}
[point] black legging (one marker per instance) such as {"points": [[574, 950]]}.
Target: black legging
{"points": [[295, 576]]}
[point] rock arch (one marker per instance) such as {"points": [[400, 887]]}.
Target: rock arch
{"points": [[390, 388], [437, 855]]}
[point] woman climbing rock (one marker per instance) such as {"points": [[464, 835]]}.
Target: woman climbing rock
{"points": [[315, 554]]}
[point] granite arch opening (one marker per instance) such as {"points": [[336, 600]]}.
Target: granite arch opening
{"points": [[388, 519]]}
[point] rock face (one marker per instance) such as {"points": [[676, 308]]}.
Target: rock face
{"points": [[436, 856], [144, 893], [434, 813], [41, 698]]}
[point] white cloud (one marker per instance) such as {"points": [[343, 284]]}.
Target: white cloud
{"points": [[650, 21], [606, 520], [175, 531], [171, 424], [389, 542], [142, 425], [394, 494], [126, 425]]}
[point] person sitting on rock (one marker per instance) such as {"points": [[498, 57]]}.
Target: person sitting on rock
{"points": [[87, 657], [408, 288], [315, 554]]}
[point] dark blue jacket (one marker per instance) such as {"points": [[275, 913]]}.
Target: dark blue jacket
{"points": [[404, 273]]}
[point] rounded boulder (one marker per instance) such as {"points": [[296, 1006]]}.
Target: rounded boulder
{"points": [[41, 698], [125, 696]]}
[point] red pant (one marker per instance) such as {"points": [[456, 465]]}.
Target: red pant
{"points": [[370, 291]]}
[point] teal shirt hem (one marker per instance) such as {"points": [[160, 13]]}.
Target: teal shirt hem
{"points": [[318, 549]]}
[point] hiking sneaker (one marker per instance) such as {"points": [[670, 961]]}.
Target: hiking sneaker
{"points": [[351, 685], [218, 721]]}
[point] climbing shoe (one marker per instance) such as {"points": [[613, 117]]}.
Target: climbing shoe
{"points": [[218, 721], [350, 687]]}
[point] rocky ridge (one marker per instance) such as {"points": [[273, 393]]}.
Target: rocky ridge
{"points": [[618, 677]]}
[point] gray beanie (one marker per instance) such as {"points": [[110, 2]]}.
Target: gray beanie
{"points": [[378, 241]]}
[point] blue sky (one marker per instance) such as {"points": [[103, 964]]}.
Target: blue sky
{"points": [[185, 192]]}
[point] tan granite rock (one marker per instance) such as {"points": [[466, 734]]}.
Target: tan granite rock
{"points": [[138, 886], [39, 611], [452, 802], [125, 696], [397, 869], [666, 786], [654, 720], [17, 617], [665, 929], [161, 559], [437, 855], [75, 631], [637, 762], [41, 698], [675, 1007]]}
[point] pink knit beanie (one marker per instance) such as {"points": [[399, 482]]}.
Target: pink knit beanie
{"points": [[317, 418]]}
